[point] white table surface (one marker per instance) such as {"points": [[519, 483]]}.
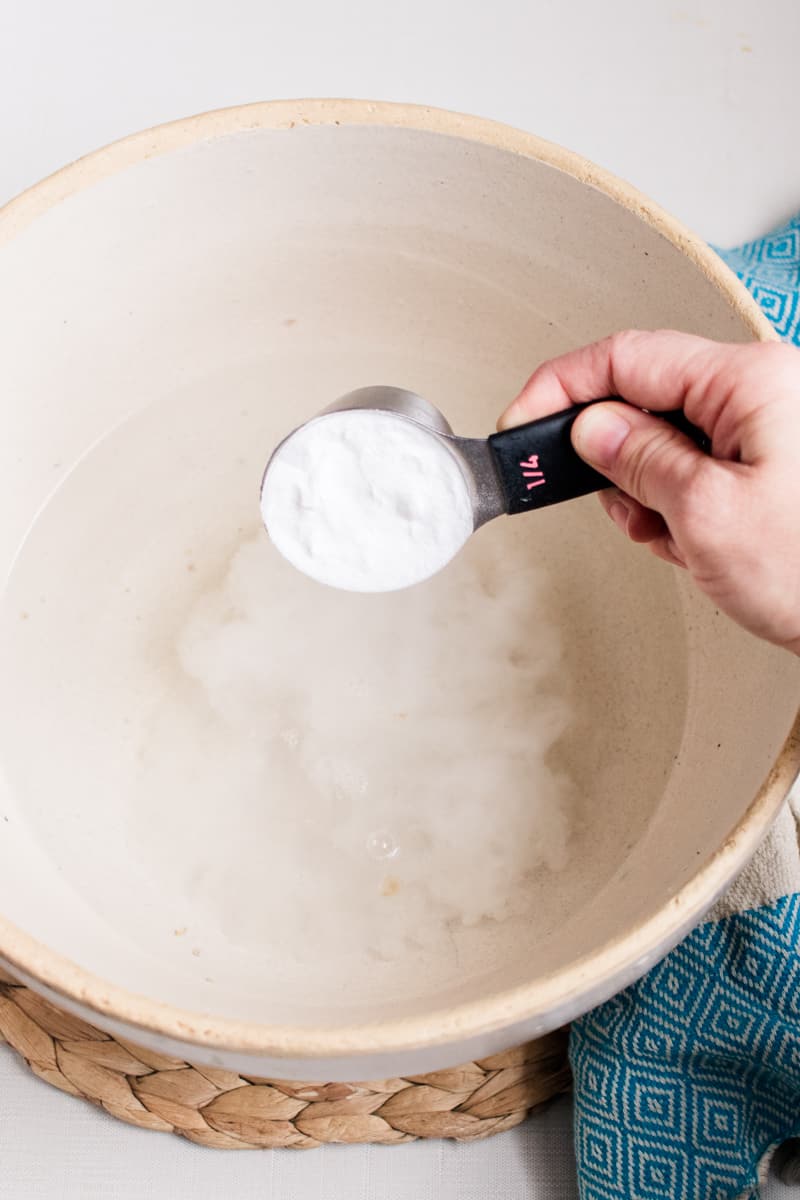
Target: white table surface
{"points": [[694, 102]]}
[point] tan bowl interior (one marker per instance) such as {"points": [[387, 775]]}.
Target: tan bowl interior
{"points": [[278, 267]]}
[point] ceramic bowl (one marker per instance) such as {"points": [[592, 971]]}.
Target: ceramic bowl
{"points": [[266, 259]]}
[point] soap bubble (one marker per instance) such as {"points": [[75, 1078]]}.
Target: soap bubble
{"points": [[381, 844]]}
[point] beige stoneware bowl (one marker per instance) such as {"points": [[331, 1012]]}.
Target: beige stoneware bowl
{"points": [[277, 255]]}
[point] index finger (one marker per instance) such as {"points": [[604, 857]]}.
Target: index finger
{"points": [[653, 370]]}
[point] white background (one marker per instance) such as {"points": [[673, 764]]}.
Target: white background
{"points": [[694, 102]]}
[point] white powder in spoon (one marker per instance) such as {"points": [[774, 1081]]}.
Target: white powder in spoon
{"points": [[366, 501]]}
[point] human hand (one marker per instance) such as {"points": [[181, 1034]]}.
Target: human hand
{"points": [[731, 519]]}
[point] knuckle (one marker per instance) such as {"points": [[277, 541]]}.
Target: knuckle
{"points": [[622, 346], [773, 357], [625, 338], [778, 352], [649, 460]]}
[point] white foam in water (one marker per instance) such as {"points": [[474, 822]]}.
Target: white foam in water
{"points": [[366, 500], [323, 782], [405, 815]]}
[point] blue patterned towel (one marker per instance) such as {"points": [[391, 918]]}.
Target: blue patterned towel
{"points": [[770, 268], [686, 1081]]}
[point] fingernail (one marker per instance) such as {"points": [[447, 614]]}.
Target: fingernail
{"points": [[598, 435], [508, 418], [619, 515]]}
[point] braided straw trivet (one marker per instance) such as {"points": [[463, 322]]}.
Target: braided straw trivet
{"points": [[229, 1111]]}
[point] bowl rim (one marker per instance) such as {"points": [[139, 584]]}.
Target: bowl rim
{"points": [[552, 999]]}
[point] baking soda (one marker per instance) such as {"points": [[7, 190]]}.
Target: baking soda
{"points": [[366, 501]]}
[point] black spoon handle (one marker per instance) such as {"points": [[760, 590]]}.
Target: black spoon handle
{"points": [[538, 466]]}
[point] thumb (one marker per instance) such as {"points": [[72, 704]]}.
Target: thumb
{"points": [[642, 454]]}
